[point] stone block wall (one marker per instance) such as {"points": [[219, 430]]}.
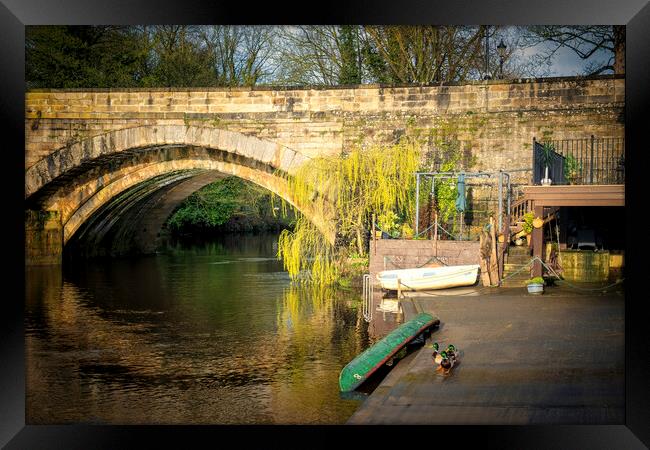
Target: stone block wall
{"points": [[43, 238], [390, 254], [493, 121]]}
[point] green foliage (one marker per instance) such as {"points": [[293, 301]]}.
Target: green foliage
{"points": [[231, 55], [377, 180], [82, 56], [215, 204], [445, 189], [375, 64], [546, 156], [528, 222], [179, 59], [307, 255], [349, 73], [537, 280], [389, 222], [210, 206], [146, 56], [572, 167]]}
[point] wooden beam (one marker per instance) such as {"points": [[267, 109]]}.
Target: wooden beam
{"points": [[577, 195], [538, 242], [483, 257], [564, 227], [494, 264]]}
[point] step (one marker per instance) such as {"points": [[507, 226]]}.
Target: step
{"points": [[522, 274], [514, 264], [511, 262], [518, 256], [518, 250]]}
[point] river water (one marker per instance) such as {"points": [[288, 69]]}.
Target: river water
{"points": [[204, 332]]}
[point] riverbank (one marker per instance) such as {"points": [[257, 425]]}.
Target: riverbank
{"points": [[551, 359]]}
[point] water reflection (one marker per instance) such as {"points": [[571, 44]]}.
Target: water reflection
{"points": [[207, 332]]}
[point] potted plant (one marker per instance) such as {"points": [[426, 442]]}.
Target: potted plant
{"points": [[546, 158], [572, 169], [388, 224], [535, 285], [527, 226]]}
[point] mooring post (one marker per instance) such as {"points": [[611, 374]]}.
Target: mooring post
{"points": [[538, 242]]}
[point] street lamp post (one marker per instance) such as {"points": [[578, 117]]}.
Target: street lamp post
{"points": [[487, 54], [501, 48]]}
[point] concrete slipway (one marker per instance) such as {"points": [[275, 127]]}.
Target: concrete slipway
{"points": [[557, 358]]}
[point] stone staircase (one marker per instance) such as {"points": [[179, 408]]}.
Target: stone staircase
{"points": [[517, 257]]}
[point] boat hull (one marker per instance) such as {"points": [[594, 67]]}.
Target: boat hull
{"points": [[428, 278], [365, 364]]}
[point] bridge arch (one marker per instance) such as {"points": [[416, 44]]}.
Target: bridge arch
{"points": [[83, 153], [78, 180]]}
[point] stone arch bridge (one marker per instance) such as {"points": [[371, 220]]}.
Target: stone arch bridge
{"points": [[115, 163]]}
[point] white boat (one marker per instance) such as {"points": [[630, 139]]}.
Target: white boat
{"points": [[429, 277]]}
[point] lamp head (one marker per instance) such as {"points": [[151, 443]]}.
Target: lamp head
{"points": [[501, 48]]}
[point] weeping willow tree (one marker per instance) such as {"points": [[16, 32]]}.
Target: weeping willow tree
{"points": [[377, 180]]}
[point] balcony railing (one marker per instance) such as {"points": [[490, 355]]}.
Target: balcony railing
{"points": [[582, 161]]}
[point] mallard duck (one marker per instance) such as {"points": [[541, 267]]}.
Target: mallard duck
{"points": [[452, 352], [447, 363], [436, 355]]}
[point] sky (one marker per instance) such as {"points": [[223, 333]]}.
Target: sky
{"points": [[565, 61]]}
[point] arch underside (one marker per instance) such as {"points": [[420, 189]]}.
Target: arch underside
{"points": [[115, 185], [131, 222]]}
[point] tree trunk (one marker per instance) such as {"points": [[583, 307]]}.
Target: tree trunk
{"points": [[619, 49], [360, 243]]}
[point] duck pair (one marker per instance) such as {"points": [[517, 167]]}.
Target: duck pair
{"points": [[445, 359]]}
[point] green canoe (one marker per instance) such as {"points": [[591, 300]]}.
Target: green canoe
{"points": [[365, 364]]}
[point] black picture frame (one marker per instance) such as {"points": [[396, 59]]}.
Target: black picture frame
{"points": [[15, 14]]}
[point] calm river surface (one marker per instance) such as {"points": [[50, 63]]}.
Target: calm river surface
{"points": [[208, 332]]}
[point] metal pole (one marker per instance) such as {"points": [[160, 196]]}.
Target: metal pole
{"points": [[462, 219], [487, 52], [417, 204]]}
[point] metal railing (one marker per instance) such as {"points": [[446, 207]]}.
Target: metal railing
{"points": [[582, 161], [519, 208], [368, 291]]}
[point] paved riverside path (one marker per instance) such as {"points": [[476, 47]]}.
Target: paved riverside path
{"points": [[551, 359]]}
